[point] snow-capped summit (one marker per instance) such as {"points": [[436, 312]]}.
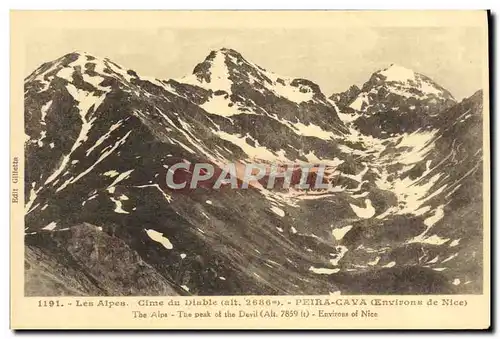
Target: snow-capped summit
{"points": [[394, 100], [406, 82], [228, 71], [212, 73], [229, 85], [397, 72]]}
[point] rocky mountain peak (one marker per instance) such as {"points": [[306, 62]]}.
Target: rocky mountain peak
{"points": [[228, 84], [343, 99], [225, 68], [73, 68], [394, 100], [405, 82]]}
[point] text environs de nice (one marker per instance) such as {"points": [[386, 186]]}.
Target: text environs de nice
{"points": [[184, 175]]}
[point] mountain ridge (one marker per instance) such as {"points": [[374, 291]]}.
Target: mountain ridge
{"points": [[106, 134]]}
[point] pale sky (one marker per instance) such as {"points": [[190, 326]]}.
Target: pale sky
{"points": [[334, 57]]}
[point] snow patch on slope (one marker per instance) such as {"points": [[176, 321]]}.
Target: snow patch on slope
{"points": [[364, 212], [160, 238]]}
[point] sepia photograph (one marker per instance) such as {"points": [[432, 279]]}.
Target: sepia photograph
{"points": [[165, 160]]}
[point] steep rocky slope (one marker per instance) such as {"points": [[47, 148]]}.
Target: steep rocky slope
{"points": [[403, 214]]}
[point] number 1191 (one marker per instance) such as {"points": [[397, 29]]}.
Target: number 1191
{"points": [[49, 303]]}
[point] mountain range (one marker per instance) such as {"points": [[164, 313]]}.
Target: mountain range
{"points": [[403, 216]]}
